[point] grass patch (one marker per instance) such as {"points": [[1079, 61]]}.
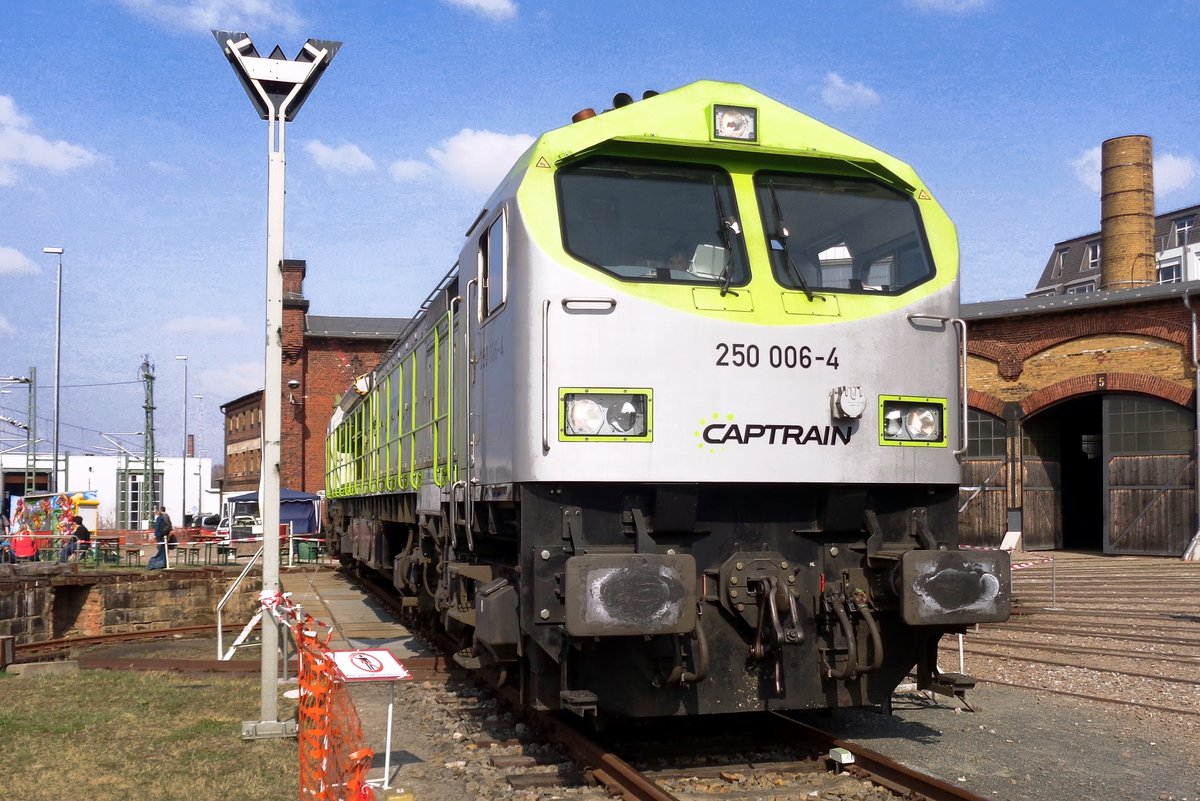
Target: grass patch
{"points": [[118, 735]]}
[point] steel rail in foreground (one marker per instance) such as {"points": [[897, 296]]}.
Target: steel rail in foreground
{"points": [[83, 641], [617, 775], [875, 767]]}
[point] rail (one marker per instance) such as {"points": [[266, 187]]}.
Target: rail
{"points": [[959, 325]]}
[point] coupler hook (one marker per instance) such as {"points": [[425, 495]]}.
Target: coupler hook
{"points": [[770, 633]]}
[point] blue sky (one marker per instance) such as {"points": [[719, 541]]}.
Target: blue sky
{"points": [[126, 139]]}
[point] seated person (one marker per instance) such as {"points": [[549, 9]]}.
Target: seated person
{"points": [[23, 546], [80, 540]]}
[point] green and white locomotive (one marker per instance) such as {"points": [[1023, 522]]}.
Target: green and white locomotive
{"points": [[679, 433]]}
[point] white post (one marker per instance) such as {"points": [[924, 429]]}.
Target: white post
{"points": [[56, 251], [387, 754], [277, 88]]}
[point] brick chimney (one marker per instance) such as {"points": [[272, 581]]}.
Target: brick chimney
{"points": [[1127, 213]]}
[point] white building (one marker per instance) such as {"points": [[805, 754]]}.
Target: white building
{"points": [[182, 485]]}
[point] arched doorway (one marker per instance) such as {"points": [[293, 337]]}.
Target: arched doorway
{"points": [[1062, 470], [1109, 472]]}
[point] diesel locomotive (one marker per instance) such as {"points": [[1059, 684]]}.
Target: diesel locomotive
{"points": [[679, 433]]}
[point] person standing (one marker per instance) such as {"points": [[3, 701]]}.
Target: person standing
{"points": [[6, 554], [162, 530]]}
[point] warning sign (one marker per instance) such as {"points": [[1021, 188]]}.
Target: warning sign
{"points": [[541, 162], [375, 665], [923, 195]]}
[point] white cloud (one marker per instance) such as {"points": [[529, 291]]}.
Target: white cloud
{"points": [[9, 116], [165, 168], [1087, 168], [20, 147], [14, 262], [405, 170], [205, 15], [234, 380], [204, 325], [479, 159], [6, 329], [345, 158], [496, 9], [841, 95], [948, 6], [1171, 172]]}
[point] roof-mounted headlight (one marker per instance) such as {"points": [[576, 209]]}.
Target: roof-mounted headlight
{"points": [[735, 122]]}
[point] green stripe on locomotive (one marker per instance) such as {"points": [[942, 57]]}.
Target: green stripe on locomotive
{"points": [[677, 126]]}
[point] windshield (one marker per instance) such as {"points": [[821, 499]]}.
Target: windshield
{"points": [[841, 234], [653, 221]]}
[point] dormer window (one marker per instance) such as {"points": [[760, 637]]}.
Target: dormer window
{"points": [[1182, 229], [1093, 256], [1060, 258]]}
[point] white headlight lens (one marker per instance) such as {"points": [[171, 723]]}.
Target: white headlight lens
{"points": [[624, 417], [584, 417], [893, 424], [922, 423], [735, 122]]}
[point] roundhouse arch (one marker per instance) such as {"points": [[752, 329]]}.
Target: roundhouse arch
{"points": [[1138, 383], [1107, 464]]}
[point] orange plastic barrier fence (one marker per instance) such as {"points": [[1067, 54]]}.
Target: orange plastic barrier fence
{"points": [[334, 759]]}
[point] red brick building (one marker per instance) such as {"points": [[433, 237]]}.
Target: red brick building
{"points": [[1082, 421], [321, 358]]}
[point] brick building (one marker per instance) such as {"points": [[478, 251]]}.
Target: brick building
{"points": [[1082, 427], [321, 358], [1082, 396]]}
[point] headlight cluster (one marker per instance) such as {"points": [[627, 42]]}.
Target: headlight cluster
{"points": [[616, 414], [912, 421]]}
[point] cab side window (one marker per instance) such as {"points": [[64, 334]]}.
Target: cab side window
{"points": [[493, 268]]}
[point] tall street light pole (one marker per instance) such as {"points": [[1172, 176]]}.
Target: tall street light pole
{"points": [[278, 88], [183, 493], [56, 251], [196, 443]]}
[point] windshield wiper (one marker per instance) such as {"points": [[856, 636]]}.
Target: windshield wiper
{"points": [[727, 224], [781, 238]]}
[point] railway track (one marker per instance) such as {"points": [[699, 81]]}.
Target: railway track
{"points": [[600, 759], [1064, 638], [756, 755]]}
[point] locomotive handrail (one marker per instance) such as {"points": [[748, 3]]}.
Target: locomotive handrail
{"points": [[468, 462], [961, 325], [589, 304], [546, 371]]}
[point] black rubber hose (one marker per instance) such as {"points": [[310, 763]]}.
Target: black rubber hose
{"points": [[851, 668], [876, 642]]}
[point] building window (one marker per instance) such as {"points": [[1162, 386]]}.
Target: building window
{"points": [[1182, 228], [1138, 424], [1060, 259], [1170, 273], [134, 505], [1093, 256], [986, 436], [1079, 289]]}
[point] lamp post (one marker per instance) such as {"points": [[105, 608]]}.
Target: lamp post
{"points": [[277, 88], [183, 467], [56, 251], [197, 443]]}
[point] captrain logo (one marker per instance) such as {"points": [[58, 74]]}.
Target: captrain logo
{"points": [[722, 430]]}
